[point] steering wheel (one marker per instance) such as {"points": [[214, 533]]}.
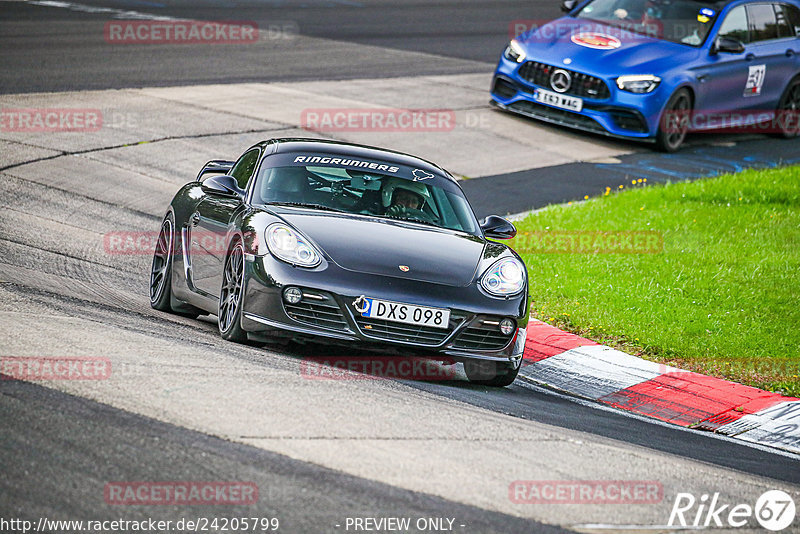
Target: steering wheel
{"points": [[410, 213]]}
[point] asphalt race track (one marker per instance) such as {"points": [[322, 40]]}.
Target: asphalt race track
{"points": [[180, 403]]}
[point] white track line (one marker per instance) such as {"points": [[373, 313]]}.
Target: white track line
{"points": [[115, 13]]}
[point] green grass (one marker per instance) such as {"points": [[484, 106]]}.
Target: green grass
{"points": [[721, 298]]}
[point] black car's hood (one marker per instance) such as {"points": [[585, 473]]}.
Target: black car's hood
{"points": [[380, 246]]}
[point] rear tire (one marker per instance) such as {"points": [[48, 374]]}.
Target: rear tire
{"points": [[787, 119], [231, 296], [489, 373], [674, 122]]}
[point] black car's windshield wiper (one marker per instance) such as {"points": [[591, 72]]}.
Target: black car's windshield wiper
{"points": [[306, 205], [421, 221], [411, 219]]}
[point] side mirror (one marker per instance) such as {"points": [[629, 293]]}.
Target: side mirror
{"points": [[568, 5], [222, 185], [727, 45], [496, 227]]}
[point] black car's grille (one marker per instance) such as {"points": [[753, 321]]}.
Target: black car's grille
{"points": [[482, 336], [555, 115], [582, 85], [318, 309], [408, 333], [503, 88]]}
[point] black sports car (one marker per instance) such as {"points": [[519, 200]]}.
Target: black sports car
{"points": [[345, 243]]}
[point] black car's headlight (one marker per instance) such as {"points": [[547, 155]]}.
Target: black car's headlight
{"points": [[290, 246], [504, 277], [638, 83], [514, 52]]}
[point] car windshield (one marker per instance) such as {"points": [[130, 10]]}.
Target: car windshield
{"points": [[679, 21], [366, 193]]}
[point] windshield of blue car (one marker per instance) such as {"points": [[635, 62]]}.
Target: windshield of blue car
{"points": [[679, 21], [366, 193]]}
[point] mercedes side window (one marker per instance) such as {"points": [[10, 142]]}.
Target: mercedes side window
{"points": [[735, 25], [763, 25], [244, 168]]}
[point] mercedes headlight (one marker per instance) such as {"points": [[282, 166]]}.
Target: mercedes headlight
{"points": [[514, 52], [505, 277], [638, 83], [291, 246]]}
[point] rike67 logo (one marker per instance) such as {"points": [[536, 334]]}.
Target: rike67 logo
{"points": [[774, 510]]}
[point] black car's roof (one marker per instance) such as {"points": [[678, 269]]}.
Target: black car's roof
{"points": [[297, 144]]}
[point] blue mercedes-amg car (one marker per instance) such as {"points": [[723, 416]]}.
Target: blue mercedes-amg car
{"points": [[654, 70]]}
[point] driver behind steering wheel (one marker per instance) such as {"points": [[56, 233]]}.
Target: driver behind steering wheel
{"points": [[404, 198]]}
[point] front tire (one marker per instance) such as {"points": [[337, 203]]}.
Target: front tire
{"points": [[787, 119], [489, 373], [161, 297], [674, 123], [161, 267], [229, 314]]}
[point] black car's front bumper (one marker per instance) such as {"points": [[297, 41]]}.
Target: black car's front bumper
{"points": [[327, 311]]}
